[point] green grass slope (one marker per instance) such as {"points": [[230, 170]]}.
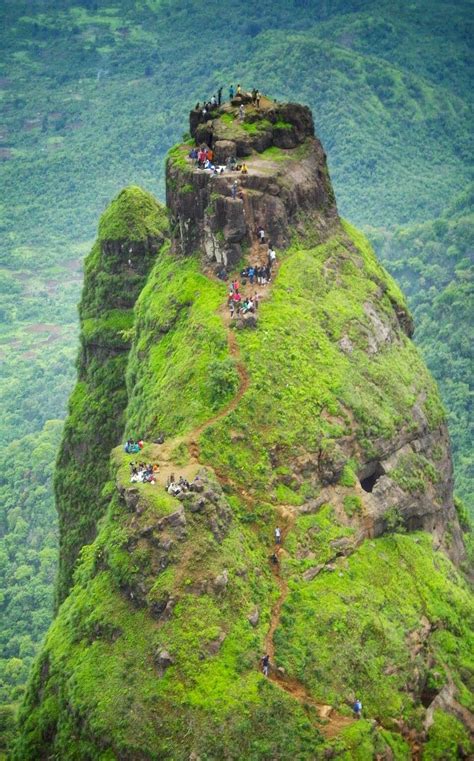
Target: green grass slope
{"points": [[390, 85], [133, 228], [153, 654], [104, 695]]}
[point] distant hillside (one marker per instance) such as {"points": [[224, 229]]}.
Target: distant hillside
{"points": [[433, 264]]}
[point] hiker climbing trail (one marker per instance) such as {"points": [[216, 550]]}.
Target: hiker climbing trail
{"points": [[329, 722], [165, 453]]}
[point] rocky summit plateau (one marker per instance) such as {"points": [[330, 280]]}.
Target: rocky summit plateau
{"points": [[254, 484]]}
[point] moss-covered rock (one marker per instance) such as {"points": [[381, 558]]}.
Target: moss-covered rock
{"points": [[322, 420], [131, 233]]}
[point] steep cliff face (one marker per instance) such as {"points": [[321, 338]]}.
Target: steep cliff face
{"points": [[315, 415], [131, 232], [283, 192]]}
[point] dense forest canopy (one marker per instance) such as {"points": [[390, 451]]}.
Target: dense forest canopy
{"points": [[94, 93]]}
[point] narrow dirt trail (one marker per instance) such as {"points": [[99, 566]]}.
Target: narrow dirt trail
{"points": [[164, 453], [234, 351], [328, 722]]}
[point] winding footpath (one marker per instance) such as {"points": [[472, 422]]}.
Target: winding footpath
{"points": [[324, 717]]}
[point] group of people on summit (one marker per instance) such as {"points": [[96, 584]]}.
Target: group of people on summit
{"points": [[215, 100], [204, 158]]}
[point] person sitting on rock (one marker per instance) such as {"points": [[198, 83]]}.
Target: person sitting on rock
{"points": [[209, 166], [183, 483], [244, 168], [174, 489], [213, 101]]}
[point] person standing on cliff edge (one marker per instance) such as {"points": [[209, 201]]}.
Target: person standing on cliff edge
{"points": [[219, 96]]}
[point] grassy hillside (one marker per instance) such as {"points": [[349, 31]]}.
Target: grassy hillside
{"points": [[177, 597], [92, 97]]}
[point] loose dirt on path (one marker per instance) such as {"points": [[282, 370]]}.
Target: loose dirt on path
{"points": [[167, 454], [329, 722]]}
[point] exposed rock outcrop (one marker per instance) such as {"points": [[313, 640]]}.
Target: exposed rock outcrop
{"points": [[131, 232], [319, 417], [278, 190]]}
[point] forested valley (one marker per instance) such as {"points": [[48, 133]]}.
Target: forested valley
{"points": [[94, 94]]}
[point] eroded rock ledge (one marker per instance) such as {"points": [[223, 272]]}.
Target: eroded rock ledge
{"points": [[287, 183]]}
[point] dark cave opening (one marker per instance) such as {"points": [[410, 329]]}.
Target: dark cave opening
{"points": [[370, 475]]}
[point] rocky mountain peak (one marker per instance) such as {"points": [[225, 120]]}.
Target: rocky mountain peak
{"points": [[266, 168]]}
